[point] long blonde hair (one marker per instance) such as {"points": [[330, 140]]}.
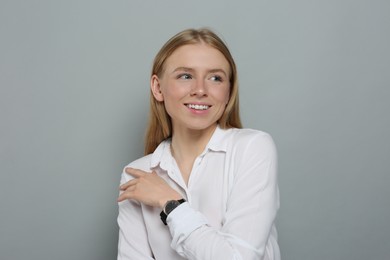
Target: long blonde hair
{"points": [[160, 126]]}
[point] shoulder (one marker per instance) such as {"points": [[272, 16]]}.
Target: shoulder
{"points": [[142, 163], [248, 140], [244, 133], [246, 136], [147, 162]]}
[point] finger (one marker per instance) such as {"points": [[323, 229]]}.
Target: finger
{"points": [[122, 197], [126, 194], [136, 173], [128, 184]]}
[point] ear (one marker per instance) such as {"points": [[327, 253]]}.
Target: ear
{"points": [[156, 88]]}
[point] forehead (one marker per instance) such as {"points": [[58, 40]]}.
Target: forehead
{"points": [[197, 56]]}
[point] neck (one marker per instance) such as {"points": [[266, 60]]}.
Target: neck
{"points": [[187, 144]]}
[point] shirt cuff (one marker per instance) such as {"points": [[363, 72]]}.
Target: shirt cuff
{"points": [[182, 222]]}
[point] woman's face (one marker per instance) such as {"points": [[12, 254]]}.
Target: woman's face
{"points": [[194, 87]]}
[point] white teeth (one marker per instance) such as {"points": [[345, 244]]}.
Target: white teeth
{"points": [[198, 107]]}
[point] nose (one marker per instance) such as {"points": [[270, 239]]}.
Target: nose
{"points": [[199, 88]]}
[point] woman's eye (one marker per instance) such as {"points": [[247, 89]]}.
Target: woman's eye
{"points": [[216, 78], [184, 76]]}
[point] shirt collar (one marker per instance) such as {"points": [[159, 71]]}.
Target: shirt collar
{"points": [[162, 155], [218, 142]]}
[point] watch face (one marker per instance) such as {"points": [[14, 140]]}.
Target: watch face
{"points": [[171, 205]]}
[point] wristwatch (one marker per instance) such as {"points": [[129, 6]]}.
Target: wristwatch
{"points": [[168, 208]]}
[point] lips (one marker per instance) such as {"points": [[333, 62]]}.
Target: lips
{"points": [[198, 106]]}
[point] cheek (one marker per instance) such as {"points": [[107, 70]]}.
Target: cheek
{"points": [[224, 95], [227, 96], [175, 92], [172, 98]]}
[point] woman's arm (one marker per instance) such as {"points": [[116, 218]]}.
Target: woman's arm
{"points": [[133, 243], [251, 211]]}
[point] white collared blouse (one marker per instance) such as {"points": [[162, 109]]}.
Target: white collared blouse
{"points": [[232, 199]]}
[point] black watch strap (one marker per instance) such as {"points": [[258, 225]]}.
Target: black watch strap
{"points": [[169, 207]]}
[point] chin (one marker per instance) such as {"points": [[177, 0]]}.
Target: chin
{"points": [[200, 127]]}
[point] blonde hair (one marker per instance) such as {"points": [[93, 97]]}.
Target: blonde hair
{"points": [[160, 126]]}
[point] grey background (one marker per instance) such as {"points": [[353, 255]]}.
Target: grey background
{"points": [[74, 92]]}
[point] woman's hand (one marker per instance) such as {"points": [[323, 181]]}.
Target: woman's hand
{"points": [[147, 188]]}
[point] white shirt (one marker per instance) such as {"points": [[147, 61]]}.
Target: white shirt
{"points": [[232, 200]]}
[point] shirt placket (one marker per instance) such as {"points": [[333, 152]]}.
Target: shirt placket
{"points": [[176, 176]]}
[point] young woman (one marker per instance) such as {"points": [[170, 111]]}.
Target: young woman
{"points": [[206, 188]]}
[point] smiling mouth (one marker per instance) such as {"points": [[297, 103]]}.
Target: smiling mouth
{"points": [[198, 107]]}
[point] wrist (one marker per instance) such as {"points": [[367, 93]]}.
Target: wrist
{"points": [[169, 206], [164, 201]]}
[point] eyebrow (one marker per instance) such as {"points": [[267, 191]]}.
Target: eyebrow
{"points": [[192, 70]]}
